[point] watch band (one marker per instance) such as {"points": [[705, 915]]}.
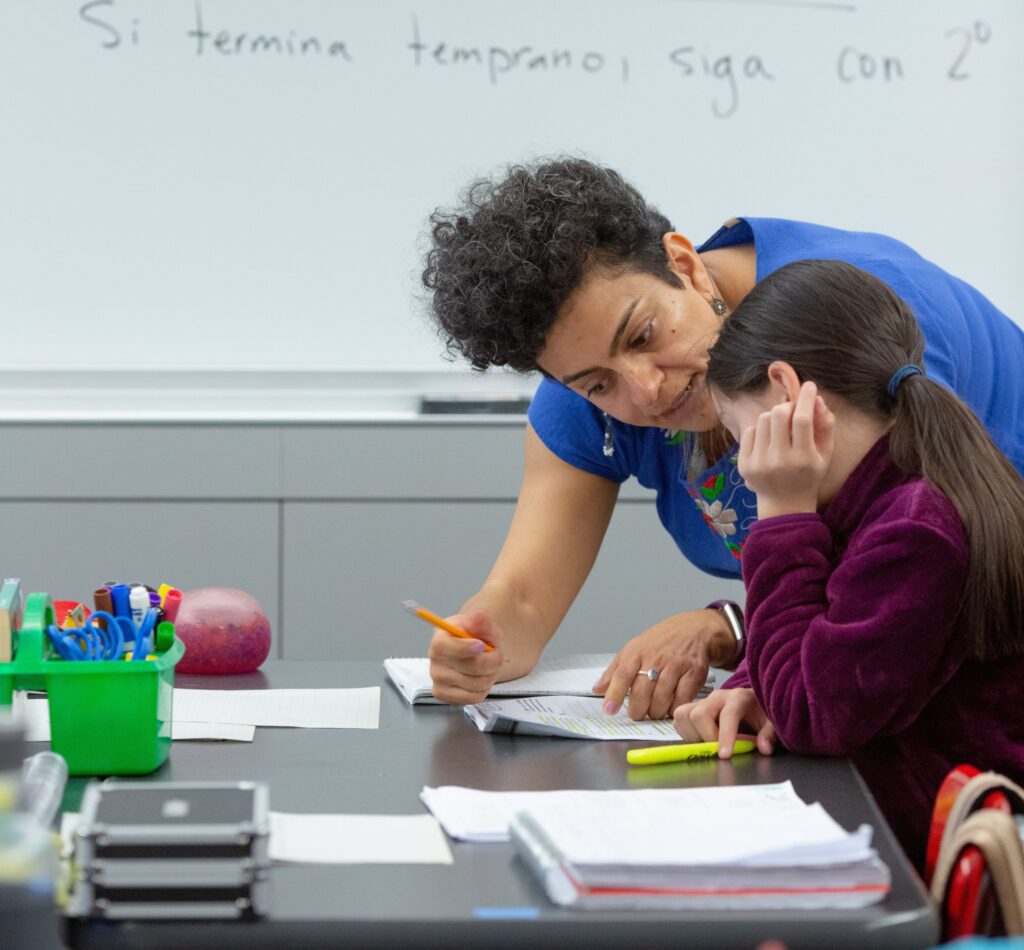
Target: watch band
{"points": [[734, 618]]}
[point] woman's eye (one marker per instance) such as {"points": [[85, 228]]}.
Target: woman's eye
{"points": [[643, 337], [596, 390]]}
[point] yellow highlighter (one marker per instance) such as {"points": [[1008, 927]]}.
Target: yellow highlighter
{"points": [[681, 752]]}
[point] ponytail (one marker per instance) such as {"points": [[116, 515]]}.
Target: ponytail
{"points": [[936, 435], [846, 330]]}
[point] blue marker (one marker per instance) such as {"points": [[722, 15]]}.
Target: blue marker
{"points": [[119, 597]]}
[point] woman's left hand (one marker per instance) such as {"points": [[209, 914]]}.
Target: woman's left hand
{"points": [[784, 457], [720, 717]]}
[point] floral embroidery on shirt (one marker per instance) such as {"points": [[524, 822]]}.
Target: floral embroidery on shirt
{"points": [[720, 519], [723, 500], [712, 487]]}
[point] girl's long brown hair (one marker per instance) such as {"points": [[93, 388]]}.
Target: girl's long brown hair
{"points": [[847, 331]]}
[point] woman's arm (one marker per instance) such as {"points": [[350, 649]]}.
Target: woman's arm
{"points": [[557, 529], [556, 532]]}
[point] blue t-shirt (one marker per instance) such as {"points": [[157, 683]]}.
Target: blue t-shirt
{"points": [[970, 346]]}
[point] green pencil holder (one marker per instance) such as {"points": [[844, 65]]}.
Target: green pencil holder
{"points": [[107, 717]]}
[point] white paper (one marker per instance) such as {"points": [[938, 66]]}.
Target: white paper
{"points": [[357, 839], [470, 814], [634, 831], [227, 731], [337, 839], [575, 717], [565, 676], [35, 714], [302, 708]]}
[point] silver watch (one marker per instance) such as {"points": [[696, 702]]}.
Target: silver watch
{"points": [[734, 618]]}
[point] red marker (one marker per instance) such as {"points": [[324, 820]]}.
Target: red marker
{"points": [[171, 604]]}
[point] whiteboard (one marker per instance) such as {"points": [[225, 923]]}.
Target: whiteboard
{"points": [[245, 184]]}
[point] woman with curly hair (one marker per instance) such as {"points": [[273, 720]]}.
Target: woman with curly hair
{"points": [[563, 268]]}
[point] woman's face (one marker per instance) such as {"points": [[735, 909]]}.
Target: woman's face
{"points": [[636, 347]]}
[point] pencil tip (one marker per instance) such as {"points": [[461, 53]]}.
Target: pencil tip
{"points": [[410, 605]]}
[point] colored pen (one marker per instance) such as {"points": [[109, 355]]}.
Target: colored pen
{"points": [[681, 752], [119, 594], [430, 617], [101, 598], [162, 590], [171, 604]]}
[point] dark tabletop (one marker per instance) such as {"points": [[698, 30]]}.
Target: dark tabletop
{"points": [[424, 906]]}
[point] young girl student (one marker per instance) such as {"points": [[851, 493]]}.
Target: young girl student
{"points": [[885, 572]]}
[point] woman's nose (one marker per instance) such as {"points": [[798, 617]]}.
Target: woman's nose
{"points": [[644, 383]]}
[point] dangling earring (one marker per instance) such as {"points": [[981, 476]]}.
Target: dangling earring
{"points": [[609, 447], [718, 305]]}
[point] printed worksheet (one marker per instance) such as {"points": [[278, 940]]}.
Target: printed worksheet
{"points": [[575, 717]]}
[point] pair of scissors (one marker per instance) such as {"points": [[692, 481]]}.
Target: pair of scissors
{"points": [[91, 641], [106, 640], [143, 635]]}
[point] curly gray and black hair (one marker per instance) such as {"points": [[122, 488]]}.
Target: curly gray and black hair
{"points": [[502, 265]]}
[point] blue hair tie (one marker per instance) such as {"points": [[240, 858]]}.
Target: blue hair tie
{"points": [[911, 369]]}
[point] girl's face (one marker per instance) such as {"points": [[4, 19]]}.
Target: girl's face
{"points": [[741, 412], [636, 347]]}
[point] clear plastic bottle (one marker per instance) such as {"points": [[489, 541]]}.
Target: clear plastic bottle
{"points": [[43, 778], [28, 856]]}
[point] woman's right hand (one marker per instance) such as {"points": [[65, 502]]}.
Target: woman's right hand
{"points": [[463, 671], [680, 648]]}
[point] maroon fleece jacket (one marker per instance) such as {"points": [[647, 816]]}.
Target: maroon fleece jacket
{"points": [[854, 648]]}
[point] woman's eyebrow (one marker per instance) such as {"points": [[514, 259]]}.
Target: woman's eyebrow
{"points": [[621, 328], [616, 342]]}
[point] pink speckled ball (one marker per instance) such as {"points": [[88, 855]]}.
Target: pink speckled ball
{"points": [[224, 631]]}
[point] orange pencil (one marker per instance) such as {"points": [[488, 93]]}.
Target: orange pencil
{"points": [[430, 617]]}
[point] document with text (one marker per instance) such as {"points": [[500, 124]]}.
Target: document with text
{"points": [[572, 717]]}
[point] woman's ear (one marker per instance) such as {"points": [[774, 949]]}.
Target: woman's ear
{"points": [[685, 262], [782, 378]]}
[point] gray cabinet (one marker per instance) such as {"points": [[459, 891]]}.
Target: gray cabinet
{"points": [[68, 548], [348, 564], [329, 526]]}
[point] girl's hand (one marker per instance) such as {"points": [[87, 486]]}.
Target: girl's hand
{"points": [[462, 671], [784, 457], [719, 718]]}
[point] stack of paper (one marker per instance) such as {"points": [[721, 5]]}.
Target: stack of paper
{"points": [[471, 814], [566, 676], [649, 852]]}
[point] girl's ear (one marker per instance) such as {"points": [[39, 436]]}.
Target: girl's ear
{"points": [[783, 380]]}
